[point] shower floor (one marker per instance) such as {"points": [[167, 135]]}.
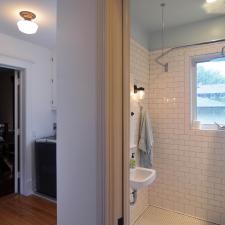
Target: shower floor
{"points": [[157, 216]]}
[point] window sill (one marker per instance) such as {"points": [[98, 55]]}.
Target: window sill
{"points": [[208, 127]]}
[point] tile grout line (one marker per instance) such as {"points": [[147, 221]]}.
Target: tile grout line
{"points": [[183, 214], [148, 212]]}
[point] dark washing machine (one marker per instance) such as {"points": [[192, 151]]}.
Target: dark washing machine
{"points": [[45, 166]]}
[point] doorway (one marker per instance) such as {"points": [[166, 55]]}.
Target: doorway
{"points": [[9, 131], [180, 111]]}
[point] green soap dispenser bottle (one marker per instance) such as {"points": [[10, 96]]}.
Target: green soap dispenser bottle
{"points": [[132, 161]]}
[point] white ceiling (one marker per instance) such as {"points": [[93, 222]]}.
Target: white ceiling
{"points": [[147, 13], [45, 11]]}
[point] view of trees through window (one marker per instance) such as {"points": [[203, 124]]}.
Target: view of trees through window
{"points": [[211, 91]]}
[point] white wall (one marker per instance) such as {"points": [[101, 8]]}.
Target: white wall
{"points": [[37, 96], [190, 163], [77, 129], [42, 116], [139, 75]]}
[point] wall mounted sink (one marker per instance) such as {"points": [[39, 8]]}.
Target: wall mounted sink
{"points": [[141, 177]]}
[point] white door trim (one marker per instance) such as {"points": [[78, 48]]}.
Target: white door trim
{"points": [[110, 111], [126, 111], [25, 68], [16, 131], [113, 111], [101, 119]]}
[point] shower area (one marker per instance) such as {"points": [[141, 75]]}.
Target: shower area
{"points": [[177, 78]]}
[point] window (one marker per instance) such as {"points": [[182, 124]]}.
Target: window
{"points": [[209, 93]]}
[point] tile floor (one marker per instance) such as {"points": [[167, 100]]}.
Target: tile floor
{"points": [[157, 216]]}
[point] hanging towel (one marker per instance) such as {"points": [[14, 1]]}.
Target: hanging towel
{"points": [[145, 144]]}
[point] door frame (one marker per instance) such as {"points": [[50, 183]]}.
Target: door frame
{"points": [[126, 111], [25, 69], [113, 111], [17, 122]]}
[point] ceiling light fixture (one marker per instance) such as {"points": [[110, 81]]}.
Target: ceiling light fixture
{"points": [[211, 1], [26, 25]]}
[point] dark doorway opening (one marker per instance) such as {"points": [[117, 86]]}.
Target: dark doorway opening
{"points": [[7, 131]]}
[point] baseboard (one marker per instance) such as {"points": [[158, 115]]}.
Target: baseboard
{"points": [[44, 197], [26, 188]]}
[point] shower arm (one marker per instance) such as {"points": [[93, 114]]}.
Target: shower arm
{"points": [[166, 65]]}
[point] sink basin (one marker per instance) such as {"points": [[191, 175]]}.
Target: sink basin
{"points": [[141, 177]]}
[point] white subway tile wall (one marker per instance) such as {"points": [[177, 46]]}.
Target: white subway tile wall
{"points": [[139, 73], [190, 164]]}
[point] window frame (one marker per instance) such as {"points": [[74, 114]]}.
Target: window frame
{"points": [[193, 103]]}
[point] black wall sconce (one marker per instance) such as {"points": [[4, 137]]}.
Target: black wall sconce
{"points": [[139, 91], [136, 89]]}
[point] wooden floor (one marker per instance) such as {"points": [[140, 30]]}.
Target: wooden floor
{"points": [[19, 210]]}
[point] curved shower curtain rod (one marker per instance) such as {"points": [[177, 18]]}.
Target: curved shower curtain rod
{"points": [[166, 65]]}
